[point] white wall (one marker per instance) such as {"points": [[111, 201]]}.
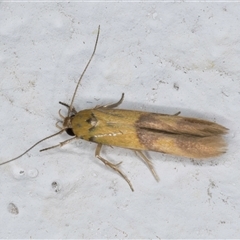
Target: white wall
{"points": [[165, 57]]}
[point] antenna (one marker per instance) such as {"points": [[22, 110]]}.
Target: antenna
{"points": [[69, 110], [89, 61], [13, 159]]}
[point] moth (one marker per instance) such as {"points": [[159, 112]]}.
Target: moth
{"points": [[139, 131]]}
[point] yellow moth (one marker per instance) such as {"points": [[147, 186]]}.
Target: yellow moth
{"points": [[138, 131]]}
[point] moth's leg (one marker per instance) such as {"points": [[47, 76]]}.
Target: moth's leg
{"points": [[67, 106], [59, 145], [176, 114], [148, 162], [60, 127], [112, 105], [61, 116], [111, 165]]}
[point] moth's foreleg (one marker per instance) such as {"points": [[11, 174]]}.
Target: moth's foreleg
{"points": [[61, 116], [148, 162], [60, 127], [111, 165]]}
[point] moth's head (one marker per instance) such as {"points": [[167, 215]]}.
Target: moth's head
{"points": [[67, 125], [67, 121]]}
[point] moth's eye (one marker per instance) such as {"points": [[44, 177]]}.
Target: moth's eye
{"points": [[69, 131]]}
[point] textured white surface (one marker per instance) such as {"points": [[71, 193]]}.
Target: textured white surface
{"points": [[165, 57]]}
